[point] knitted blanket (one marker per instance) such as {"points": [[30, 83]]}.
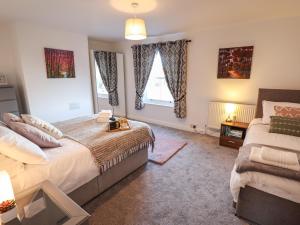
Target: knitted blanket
{"points": [[108, 148]]}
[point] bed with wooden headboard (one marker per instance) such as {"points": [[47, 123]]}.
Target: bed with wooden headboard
{"points": [[261, 207]]}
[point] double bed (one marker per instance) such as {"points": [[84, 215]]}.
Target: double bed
{"points": [[73, 167], [264, 198]]}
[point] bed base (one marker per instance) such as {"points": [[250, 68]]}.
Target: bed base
{"points": [[266, 209], [102, 182]]}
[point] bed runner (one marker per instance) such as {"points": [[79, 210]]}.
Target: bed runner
{"points": [[108, 148], [243, 164]]}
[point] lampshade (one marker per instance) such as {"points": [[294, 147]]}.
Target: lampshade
{"points": [[135, 29], [230, 108], [6, 192]]}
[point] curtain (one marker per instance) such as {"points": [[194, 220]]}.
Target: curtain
{"points": [[143, 57], [174, 61], [107, 64]]}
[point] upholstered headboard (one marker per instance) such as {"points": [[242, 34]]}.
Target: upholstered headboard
{"points": [[275, 95]]}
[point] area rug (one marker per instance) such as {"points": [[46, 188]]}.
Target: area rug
{"points": [[164, 149]]}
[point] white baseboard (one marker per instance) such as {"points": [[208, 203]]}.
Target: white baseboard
{"points": [[166, 124]]}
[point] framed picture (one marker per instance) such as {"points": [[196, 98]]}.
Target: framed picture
{"points": [[235, 63], [59, 63]]}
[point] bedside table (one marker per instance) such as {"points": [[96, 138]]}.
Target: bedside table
{"points": [[45, 204], [232, 134]]}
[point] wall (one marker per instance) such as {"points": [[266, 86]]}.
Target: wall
{"points": [[275, 65], [52, 99]]}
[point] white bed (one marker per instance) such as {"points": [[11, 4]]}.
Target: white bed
{"points": [[282, 187], [69, 167]]}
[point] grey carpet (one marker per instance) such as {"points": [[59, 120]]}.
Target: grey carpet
{"points": [[191, 188]]}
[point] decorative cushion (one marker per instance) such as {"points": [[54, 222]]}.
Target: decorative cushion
{"points": [[19, 148], [42, 125], [9, 117], [35, 135], [268, 109], [285, 125], [290, 112]]}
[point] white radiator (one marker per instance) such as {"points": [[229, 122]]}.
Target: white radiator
{"points": [[217, 113]]}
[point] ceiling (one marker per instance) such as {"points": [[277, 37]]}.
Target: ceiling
{"points": [[104, 19]]}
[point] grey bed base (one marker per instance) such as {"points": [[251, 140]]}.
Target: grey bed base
{"points": [[102, 182], [261, 207]]}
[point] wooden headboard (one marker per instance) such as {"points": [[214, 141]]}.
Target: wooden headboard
{"points": [[275, 95]]}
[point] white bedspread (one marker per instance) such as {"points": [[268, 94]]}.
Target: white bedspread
{"points": [[69, 167], [282, 187]]}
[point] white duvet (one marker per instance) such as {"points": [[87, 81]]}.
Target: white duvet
{"points": [[282, 187], [69, 167]]}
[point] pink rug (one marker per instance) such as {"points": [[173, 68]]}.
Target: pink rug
{"points": [[164, 149]]}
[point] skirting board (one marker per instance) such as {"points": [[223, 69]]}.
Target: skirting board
{"points": [[167, 124]]}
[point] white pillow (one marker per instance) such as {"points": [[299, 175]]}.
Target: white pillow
{"points": [[11, 166], [268, 109], [19, 148], [42, 125]]}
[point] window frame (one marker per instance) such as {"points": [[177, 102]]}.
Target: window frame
{"points": [[158, 102], [99, 95]]}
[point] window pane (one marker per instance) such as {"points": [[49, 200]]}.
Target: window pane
{"points": [[101, 90], [157, 88]]}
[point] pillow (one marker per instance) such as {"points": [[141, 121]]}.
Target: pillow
{"points": [[35, 135], [11, 166], [290, 112], [9, 117], [19, 148], [268, 109], [285, 125], [42, 125]]}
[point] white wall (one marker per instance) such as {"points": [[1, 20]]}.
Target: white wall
{"points": [[7, 53], [275, 65], [53, 99]]}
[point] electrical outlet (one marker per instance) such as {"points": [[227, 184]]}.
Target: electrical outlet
{"points": [[194, 126], [74, 106]]}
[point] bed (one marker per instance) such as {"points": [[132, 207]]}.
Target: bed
{"points": [[263, 198], [73, 168]]}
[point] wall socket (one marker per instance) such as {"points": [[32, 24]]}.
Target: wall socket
{"points": [[194, 126], [74, 106]]}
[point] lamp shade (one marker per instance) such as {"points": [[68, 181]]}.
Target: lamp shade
{"points": [[135, 29], [230, 108], [6, 192]]}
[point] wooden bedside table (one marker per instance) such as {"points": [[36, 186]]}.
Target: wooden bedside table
{"points": [[232, 134]]}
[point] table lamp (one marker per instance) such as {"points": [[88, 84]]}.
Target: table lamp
{"points": [[8, 209], [230, 109]]}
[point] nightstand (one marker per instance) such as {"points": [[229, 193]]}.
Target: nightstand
{"points": [[232, 134]]}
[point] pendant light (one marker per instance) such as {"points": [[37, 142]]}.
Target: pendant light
{"points": [[135, 28]]}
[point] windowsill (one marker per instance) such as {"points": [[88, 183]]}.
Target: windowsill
{"points": [[103, 96], [159, 103]]}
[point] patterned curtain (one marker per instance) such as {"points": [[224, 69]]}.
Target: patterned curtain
{"points": [[107, 64], [174, 61], [143, 57]]}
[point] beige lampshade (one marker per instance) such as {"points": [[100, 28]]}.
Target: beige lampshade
{"points": [[135, 29]]}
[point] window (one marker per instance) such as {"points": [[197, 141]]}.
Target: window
{"points": [[101, 90], [157, 91]]}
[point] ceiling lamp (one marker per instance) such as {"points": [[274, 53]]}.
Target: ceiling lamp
{"points": [[135, 28]]}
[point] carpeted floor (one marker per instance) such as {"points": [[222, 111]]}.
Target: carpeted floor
{"points": [[191, 188]]}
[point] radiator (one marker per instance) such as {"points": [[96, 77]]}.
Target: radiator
{"points": [[217, 113]]}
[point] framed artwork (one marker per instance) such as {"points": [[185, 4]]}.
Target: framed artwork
{"points": [[59, 63], [235, 63]]}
